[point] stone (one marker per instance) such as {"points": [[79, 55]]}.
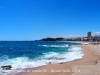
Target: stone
{"points": [[7, 67]]}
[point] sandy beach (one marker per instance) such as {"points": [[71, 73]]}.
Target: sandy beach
{"points": [[49, 37], [88, 65]]}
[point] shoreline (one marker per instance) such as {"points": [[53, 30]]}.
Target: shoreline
{"points": [[35, 68], [89, 58]]}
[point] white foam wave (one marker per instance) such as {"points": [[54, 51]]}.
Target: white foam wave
{"points": [[53, 57], [20, 63], [74, 49], [54, 45], [74, 53]]}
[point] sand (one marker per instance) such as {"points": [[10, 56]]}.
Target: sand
{"points": [[88, 65]]}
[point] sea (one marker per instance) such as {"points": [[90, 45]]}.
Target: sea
{"points": [[31, 54]]}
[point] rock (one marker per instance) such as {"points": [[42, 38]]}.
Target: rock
{"points": [[49, 58], [69, 45], [61, 63], [49, 62], [7, 67]]}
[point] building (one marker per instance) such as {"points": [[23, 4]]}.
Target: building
{"points": [[89, 36], [84, 39]]}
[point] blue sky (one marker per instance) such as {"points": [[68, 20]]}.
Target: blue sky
{"points": [[35, 19]]}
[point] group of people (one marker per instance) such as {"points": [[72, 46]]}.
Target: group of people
{"points": [[94, 43]]}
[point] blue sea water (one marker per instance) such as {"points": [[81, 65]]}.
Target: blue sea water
{"points": [[28, 54]]}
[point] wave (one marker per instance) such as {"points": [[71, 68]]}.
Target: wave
{"points": [[54, 45], [53, 57], [74, 49]]}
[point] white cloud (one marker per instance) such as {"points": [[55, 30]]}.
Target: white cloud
{"points": [[71, 35], [96, 33], [75, 36]]}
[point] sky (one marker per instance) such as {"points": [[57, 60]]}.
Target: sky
{"points": [[36, 19]]}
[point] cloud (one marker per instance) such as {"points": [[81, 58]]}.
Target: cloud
{"points": [[70, 35], [74, 36], [96, 33]]}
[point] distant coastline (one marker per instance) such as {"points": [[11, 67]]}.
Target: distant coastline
{"points": [[88, 38]]}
